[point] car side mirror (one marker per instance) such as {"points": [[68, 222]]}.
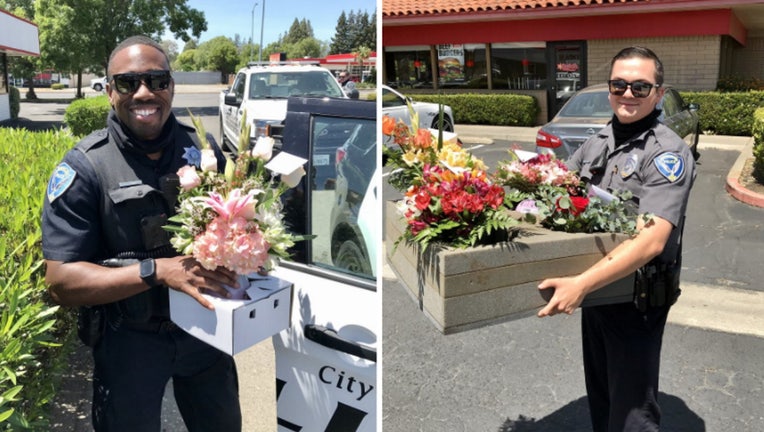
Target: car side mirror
{"points": [[230, 99], [693, 107]]}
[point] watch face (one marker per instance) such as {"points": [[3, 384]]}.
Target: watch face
{"points": [[148, 271]]}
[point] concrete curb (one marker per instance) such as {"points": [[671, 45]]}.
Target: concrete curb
{"points": [[733, 186]]}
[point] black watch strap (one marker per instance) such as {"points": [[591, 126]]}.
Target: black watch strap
{"points": [[148, 271]]}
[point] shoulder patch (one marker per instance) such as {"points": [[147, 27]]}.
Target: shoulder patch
{"points": [[63, 177], [670, 165]]}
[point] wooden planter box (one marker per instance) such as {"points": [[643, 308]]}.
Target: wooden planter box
{"points": [[460, 289]]}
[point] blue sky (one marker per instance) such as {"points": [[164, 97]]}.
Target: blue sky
{"points": [[229, 17]]}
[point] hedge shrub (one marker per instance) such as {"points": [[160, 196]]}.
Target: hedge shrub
{"points": [[489, 109], [726, 113], [84, 116], [758, 145], [31, 328]]}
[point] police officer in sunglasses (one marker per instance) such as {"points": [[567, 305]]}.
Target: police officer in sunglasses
{"points": [[106, 252], [622, 342]]}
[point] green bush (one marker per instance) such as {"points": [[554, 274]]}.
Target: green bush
{"points": [[30, 326], [84, 116], [726, 113], [488, 109], [57, 86], [15, 100], [758, 145]]}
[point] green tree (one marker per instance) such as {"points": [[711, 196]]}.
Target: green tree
{"points": [[186, 61], [354, 30], [298, 31], [219, 54], [340, 43], [171, 48]]}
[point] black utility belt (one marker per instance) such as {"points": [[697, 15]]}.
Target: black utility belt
{"points": [[656, 285]]}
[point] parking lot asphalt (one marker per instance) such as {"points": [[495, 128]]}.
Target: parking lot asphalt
{"points": [[520, 375]]}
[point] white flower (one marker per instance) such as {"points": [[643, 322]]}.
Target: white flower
{"points": [[263, 148], [209, 161]]}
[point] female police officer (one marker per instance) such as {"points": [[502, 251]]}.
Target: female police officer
{"points": [[622, 342], [104, 247]]}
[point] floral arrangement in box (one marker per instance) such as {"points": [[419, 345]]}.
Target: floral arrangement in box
{"points": [[546, 192], [232, 219], [449, 198]]}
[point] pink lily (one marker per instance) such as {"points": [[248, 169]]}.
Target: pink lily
{"points": [[235, 205]]}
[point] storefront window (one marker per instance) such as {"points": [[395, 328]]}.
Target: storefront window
{"points": [[408, 67], [519, 66], [462, 66]]}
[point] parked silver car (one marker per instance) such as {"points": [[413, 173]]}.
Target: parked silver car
{"points": [[589, 110]]}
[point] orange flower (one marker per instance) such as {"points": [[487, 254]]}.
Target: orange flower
{"points": [[423, 138], [388, 125]]}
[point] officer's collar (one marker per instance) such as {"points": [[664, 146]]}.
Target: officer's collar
{"points": [[127, 141]]}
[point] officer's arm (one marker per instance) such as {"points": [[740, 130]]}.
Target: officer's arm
{"points": [[624, 260], [83, 283]]}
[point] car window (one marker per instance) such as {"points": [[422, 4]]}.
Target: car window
{"points": [[238, 86], [281, 84], [349, 147], [390, 99], [669, 103], [593, 104]]}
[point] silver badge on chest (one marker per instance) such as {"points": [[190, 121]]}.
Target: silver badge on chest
{"points": [[631, 165]]}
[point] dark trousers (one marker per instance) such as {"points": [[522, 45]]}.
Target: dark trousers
{"points": [[133, 367], [622, 350]]}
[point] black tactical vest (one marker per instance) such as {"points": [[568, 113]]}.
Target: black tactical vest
{"points": [[135, 203]]}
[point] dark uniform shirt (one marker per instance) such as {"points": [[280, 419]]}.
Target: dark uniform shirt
{"points": [[657, 167]]}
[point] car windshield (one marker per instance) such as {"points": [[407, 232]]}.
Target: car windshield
{"points": [[593, 104], [266, 85]]}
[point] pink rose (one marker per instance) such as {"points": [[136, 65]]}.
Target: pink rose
{"points": [[189, 179]]}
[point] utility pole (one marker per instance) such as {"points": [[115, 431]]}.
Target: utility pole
{"points": [[252, 34], [262, 25]]}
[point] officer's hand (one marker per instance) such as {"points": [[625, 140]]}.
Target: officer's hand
{"points": [[185, 274], [568, 295]]}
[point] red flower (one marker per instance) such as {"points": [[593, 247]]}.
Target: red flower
{"points": [[579, 204], [422, 200]]}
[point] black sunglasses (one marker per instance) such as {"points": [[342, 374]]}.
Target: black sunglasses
{"points": [[640, 89], [128, 83]]}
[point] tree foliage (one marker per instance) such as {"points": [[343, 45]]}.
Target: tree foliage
{"points": [[356, 29], [219, 54]]}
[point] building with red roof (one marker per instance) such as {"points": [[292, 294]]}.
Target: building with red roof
{"points": [[19, 37], [550, 48]]}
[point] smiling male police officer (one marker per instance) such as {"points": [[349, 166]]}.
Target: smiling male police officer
{"points": [[105, 248], [622, 342]]}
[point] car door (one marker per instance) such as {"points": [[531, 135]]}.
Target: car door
{"points": [[326, 370]]}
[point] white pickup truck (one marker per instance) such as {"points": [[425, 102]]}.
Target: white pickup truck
{"points": [[262, 90]]}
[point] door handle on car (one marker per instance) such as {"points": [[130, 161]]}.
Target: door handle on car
{"points": [[330, 339]]}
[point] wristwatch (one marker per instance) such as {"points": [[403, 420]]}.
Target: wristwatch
{"points": [[148, 270]]}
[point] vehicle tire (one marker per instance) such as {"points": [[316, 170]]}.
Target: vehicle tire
{"points": [[351, 256], [97, 87], [448, 124]]}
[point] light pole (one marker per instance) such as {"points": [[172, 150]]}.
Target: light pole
{"points": [[262, 25], [252, 35]]}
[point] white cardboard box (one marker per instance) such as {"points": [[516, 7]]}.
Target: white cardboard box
{"points": [[236, 325]]}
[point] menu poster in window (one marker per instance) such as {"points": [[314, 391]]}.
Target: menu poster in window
{"points": [[450, 62]]}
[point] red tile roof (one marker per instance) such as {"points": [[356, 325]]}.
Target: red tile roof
{"points": [[399, 8]]}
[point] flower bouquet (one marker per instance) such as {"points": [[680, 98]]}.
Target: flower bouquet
{"points": [[449, 197], [545, 191], [234, 219]]}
